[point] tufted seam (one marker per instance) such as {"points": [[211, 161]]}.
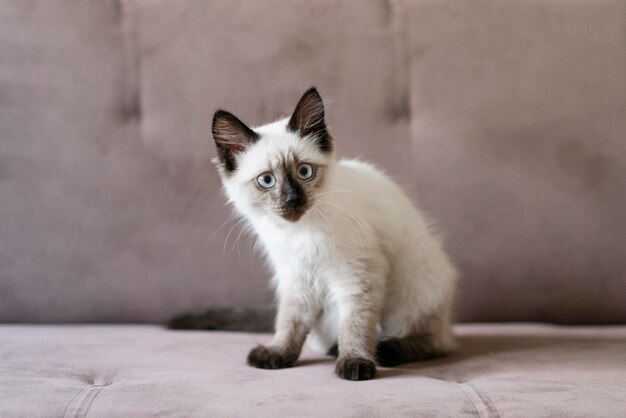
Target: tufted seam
{"points": [[72, 401], [483, 405], [460, 386], [401, 60], [401, 93], [131, 27], [485, 397], [81, 402]]}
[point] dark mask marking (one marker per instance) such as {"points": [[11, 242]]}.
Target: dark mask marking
{"points": [[292, 195]]}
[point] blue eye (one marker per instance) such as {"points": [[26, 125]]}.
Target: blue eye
{"points": [[305, 171], [266, 180]]}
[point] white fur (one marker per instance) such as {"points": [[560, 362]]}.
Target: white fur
{"points": [[362, 233]]}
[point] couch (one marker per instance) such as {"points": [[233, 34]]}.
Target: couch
{"points": [[504, 120]]}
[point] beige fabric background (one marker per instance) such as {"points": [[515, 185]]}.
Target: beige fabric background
{"points": [[506, 120]]}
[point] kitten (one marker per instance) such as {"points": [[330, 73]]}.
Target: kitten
{"points": [[357, 270]]}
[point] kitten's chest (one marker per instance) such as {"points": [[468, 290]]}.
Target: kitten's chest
{"points": [[304, 251]]}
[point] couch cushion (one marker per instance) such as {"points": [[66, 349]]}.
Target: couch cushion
{"points": [[69, 165], [500, 370], [518, 133], [505, 119], [111, 209]]}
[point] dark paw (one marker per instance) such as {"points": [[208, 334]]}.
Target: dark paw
{"points": [[389, 353], [333, 351], [394, 352], [263, 357], [355, 368]]}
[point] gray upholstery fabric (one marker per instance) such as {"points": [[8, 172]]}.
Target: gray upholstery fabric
{"points": [[137, 371], [505, 119]]}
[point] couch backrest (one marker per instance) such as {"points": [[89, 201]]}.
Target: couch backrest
{"points": [[506, 120]]}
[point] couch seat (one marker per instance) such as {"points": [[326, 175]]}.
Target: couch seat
{"points": [[144, 370]]}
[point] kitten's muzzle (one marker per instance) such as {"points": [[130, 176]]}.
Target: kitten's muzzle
{"points": [[294, 202], [293, 208], [292, 214], [292, 196]]}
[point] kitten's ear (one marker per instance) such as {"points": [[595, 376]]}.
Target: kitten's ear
{"points": [[231, 137], [308, 119]]}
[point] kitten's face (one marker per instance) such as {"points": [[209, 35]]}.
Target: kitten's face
{"points": [[276, 169]]}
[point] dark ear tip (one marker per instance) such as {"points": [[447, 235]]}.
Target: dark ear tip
{"points": [[220, 113], [312, 90], [217, 116]]}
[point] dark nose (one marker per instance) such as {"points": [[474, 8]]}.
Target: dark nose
{"points": [[292, 196]]}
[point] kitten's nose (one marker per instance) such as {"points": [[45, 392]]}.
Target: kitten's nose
{"points": [[293, 199], [292, 196]]}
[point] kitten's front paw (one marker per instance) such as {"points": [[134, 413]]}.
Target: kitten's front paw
{"points": [[355, 368], [263, 357]]}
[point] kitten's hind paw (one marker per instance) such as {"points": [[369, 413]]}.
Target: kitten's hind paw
{"points": [[396, 351], [333, 351], [263, 357], [389, 353], [355, 368]]}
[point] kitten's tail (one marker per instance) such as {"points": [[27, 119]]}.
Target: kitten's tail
{"points": [[251, 318]]}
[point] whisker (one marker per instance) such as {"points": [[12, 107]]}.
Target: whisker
{"points": [[242, 228], [342, 191], [346, 221], [248, 250], [232, 217], [327, 221], [358, 219], [229, 232]]}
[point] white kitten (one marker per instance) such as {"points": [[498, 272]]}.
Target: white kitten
{"points": [[355, 263]]}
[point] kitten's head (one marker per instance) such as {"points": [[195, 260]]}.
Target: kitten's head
{"points": [[278, 168]]}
